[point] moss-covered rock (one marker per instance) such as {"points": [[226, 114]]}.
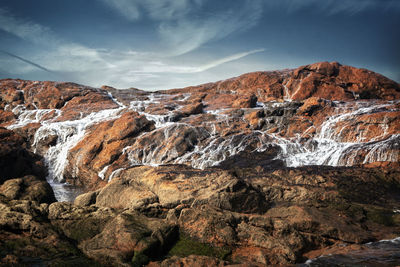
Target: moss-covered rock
{"points": [[186, 246]]}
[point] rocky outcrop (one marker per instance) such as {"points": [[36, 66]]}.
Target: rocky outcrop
{"points": [[291, 112], [53, 95], [264, 217], [130, 239], [202, 175]]}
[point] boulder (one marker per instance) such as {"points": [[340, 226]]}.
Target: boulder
{"points": [[130, 238], [28, 188], [27, 238]]}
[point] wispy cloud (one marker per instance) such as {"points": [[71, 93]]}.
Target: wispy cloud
{"points": [[77, 62], [185, 25], [26, 29], [228, 59], [154, 9], [333, 7], [60, 54], [73, 61], [160, 67]]}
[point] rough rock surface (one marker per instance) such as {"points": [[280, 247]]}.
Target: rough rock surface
{"points": [[28, 188], [271, 217], [102, 146]]}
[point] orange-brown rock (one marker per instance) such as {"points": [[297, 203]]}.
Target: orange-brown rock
{"points": [[192, 109], [102, 146], [245, 202], [27, 237], [245, 102], [81, 106], [54, 95], [311, 105], [130, 238], [190, 261], [6, 117]]}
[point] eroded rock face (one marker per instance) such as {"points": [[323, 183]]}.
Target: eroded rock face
{"points": [[261, 217], [126, 237], [53, 95], [87, 137], [171, 186], [192, 260], [102, 146], [28, 188]]}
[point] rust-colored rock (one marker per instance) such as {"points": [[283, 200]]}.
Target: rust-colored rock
{"points": [[102, 146], [328, 80]]}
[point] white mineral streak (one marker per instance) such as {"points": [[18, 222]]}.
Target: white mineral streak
{"points": [[207, 146], [68, 134], [325, 148]]}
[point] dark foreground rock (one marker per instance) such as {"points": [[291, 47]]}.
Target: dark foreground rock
{"points": [[15, 158], [262, 217], [179, 216]]}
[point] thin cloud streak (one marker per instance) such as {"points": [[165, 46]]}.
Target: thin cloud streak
{"points": [[228, 59], [121, 68], [334, 7], [160, 67], [26, 61]]}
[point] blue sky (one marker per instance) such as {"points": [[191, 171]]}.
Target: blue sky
{"points": [[160, 44]]}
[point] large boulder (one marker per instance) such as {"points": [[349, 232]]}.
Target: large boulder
{"points": [[28, 188], [130, 238], [27, 237]]}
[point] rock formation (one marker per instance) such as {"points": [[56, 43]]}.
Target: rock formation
{"points": [[265, 168]]}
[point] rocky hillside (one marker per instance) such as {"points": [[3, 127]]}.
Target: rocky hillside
{"points": [[265, 168]]}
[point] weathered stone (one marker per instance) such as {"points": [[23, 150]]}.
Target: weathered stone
{"points": [[126, 237], [28, 188], [27, 238]]}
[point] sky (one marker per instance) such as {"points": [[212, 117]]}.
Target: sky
{"points": [[162, 44]]}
